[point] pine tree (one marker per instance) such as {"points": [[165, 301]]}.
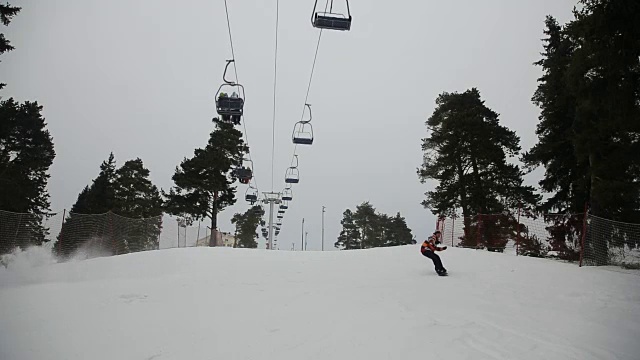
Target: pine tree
{"points": [[590, 120], [365, 228], [604, 77], [247, 226], [365, 219], [398, 232], [203, 183], [101, 195], [467, 153], [7, 12], [98, 198], [565, 178], [134, 194], [135, 197], [26, 153], [349, 237]]}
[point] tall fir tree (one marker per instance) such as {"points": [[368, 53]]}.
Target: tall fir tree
{"points": [[120, 212], [467, 153], [349, 237], [203, 183], [135, 197], [365, 218], [96, 199], [398, 232], [565, 178], [99, 198], [26, 153], [604, 77], [588, 139]]}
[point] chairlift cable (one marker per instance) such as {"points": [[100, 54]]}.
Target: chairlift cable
{"points": [[306, 98], [235, 70]]}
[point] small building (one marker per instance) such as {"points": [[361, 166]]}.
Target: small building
{"points": [[222, 239]]}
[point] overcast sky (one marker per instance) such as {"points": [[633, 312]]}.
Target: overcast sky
{"points": [[138, 77]]}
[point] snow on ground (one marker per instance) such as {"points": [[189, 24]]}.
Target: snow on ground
{"points": [[215, 303]]}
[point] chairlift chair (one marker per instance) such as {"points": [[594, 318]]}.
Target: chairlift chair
{"points": [[243, 172], [330, 20], [287, 194], [229, 106], [251, 195], [284, 206], [303, 131], [280, 216], [292, 175]]}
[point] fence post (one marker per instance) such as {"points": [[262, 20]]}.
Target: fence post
{"points": [[64, 215], [197, 236], [518, 229], [453, 224], [478, 230], [113, 240], [584, 232]]}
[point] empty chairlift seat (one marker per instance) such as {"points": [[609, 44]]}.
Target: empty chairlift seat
{"points": [[251, 198], [303, 131], [287, 194], [331, 20], [292, 175]]}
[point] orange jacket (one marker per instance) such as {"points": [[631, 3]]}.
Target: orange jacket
{"points": [[430, 245]]}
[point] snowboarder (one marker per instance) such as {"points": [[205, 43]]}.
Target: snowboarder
{"points": [[429, 248]]}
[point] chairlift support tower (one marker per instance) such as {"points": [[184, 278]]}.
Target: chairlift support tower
{"points": [[271, 198]]}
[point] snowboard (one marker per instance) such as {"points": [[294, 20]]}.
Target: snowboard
{"points": [[443, 274]]}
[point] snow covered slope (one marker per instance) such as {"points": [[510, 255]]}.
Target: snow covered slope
{"points": [[203, 303]]}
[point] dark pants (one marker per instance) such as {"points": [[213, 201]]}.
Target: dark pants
{"points": [[436, 260]]}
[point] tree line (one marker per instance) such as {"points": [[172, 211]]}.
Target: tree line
{"points": [[366, 228], [588, 134]]}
